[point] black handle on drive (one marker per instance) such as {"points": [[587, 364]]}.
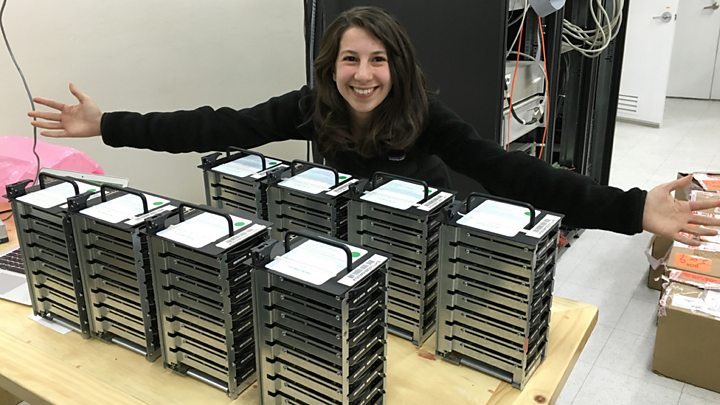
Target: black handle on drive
{"points": [[103, 197], [319, 166], [502, 199], [248, 152], [61, 178], [209, 210], [377, 175], [321, 239]]}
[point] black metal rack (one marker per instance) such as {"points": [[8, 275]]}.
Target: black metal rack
{"points": [[48, 248], [204, 296], [237, 185], [114, 262], [495, 290], [324, 342], [292, 209], [410, 236]]}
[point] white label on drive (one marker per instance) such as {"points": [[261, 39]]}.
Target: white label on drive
{"points": [[542, 227], [363, 270], [430, 204], [341, 189]]}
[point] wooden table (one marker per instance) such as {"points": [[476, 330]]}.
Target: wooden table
{"points": [[43, 366]]}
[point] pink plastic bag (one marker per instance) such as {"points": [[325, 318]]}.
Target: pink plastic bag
{"points": [[17, 161]]}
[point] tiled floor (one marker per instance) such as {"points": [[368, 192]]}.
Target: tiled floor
{"points": [[609, 270]]}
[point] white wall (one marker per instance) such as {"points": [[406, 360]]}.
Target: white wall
{"points": [[157, 55]]}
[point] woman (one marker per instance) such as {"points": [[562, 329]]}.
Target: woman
{"points": [[370, 111]]}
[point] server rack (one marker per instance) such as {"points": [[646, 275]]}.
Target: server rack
{"points": [[114, 262], [232, 184], [204, 295], [320, 343], [48, 248], [324, 212], [496, 291], [411, 238]]}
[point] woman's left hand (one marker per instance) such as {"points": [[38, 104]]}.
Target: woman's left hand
{"points": [[664, 215]]}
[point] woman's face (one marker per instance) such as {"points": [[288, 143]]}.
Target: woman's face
{"points": [[362, 73]]}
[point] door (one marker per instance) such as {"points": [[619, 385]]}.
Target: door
{"points": [[646, 63], [694, 67]]}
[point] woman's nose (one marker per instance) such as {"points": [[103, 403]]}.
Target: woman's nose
{"points": [[364, 71]]}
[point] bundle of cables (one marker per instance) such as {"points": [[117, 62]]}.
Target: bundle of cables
{"points": [[592, 42]]}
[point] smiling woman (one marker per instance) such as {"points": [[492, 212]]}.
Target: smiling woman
{"points": [[362, 75], [370, 111]]}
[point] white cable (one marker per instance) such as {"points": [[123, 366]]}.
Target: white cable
{"points": [[520, 27], [592, 42]]}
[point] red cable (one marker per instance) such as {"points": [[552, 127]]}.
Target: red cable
{"points": [[547, 89]]}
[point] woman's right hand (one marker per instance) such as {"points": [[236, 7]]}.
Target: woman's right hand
{"points": [[68, 121]]}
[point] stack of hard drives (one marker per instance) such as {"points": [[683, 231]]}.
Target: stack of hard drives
{"points": [[401, 218], [320, 322], [113, 253], [201, 272], [313, 197], [496, 279], [238, 182], [46, 241]]}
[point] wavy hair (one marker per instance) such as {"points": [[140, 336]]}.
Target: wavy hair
{"points": [[398, 121]]}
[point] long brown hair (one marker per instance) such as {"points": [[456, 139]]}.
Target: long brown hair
{"points": [[399, 119]]}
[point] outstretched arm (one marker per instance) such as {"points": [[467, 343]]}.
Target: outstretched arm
{"points": [[664, 215], [74, 121]]}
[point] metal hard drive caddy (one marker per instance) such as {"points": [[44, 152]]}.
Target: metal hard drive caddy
{"points": [[240, 192], [320, 344], [204, 300], [411, 238], [115, 268], [294, 210], [48, 249], [495, 292]]}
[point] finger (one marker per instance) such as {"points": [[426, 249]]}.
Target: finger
{"points": [[700, 231], [82, 97], [683, 238], [704, 204], [54, 134], [47, 124], [45, 115], [49, 103], [679, 183], [704, 220]]}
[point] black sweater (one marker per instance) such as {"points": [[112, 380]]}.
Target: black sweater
{"points": [[447, 140]]}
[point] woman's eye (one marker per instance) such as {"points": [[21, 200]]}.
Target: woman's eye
{"points": [[349, 58]]}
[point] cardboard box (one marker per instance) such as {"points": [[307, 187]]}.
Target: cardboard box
{"points": [[703, 259], [704, 181], [686, 344], [657, 253]]}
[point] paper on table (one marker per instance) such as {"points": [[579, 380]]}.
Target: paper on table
{"points": [[55, 195], [497, 217], [123, 207], [313, 181], [202, 229], [245, 166], [397, 194], [314, 262]]}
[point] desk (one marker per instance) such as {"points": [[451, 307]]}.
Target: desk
{"points": [[43, 366]]}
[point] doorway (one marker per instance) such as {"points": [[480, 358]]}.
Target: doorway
{"points": [[695, 64]]}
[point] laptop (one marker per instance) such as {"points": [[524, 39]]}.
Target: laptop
{"points": [[13, 283]]}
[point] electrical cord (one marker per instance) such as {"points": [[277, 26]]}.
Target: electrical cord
{"points": [[27, 89], [547, 90], [520, 29], [592, 42]]}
